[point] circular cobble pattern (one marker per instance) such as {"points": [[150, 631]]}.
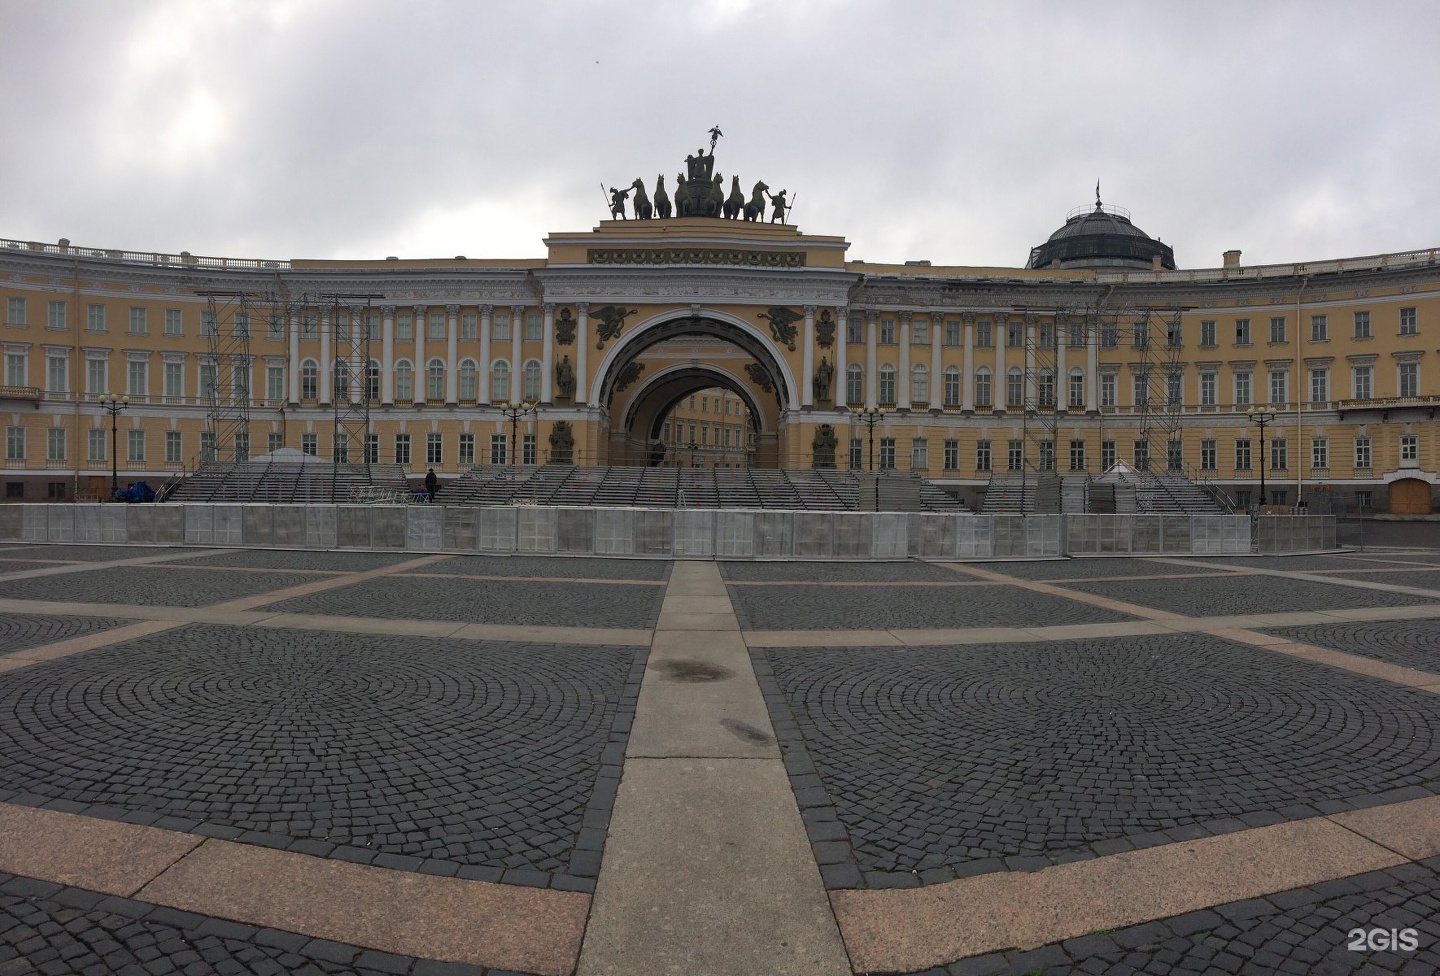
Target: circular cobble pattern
{"points": [[21, 630], [838, 572], [559, 567], [84, 553], [798, 607], [1085, 568], [1248, 593], [151, 586], [45, 928], [333, 560], [528, 603], [393, 751], [1303, 931], [1408, 643], [915, 765]]}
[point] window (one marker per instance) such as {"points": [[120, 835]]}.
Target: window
{"points": [[982, 455], [534, 330], [138, 323], [240, 384], [242, 325], [1207, 389], [1107, 455], [1046, 461], [1014, 387], [340, 383], [274, 441], [309, 327], [469, 380], [951, 455], [1242, 498], [56, 316], [1319, 386], [1277, 329], [173, 322], [402, 448], [1360, 385], [1174, 388], [467, 449], [207, 324], [434, 448], [1278, 386], [15, 311], [55, 444], [1362, 452], [1320, 453], [309, 380], [887, 384], [404, 327], [887, 332], [57, 374], [96, 381], [1242, 454], [1207, 455], [1142, 455], [1407, 320], [209, 381], [1174, 455], [435, 380], [952, 332], [135, 445], [1107, 335], [1045, 389], [95, 444], [1015, 334], [1409, 447], [1140, 389], [982, 388], [137, 378], [1207, 332], [1279, 454], [500, 380], [1409, 379], [1077, 455], [854, 384], [1140, 335], [531, 381], [528, 447], [1047, 335], [469, 327], [310, 444], [1242, 389], [340, 447], [1107, 389], [372, 326], [1362, 325], [274, 327], [984, 338], [95, 318], [207, 446], [1077, 334], [436, 330], [1280, 497], [952, 386], [855, 329], [173, 446], [1077, 389], [1173, 334], [274, 382], [857, 454], [14, 443], [1014, 455], [17, 368], [919, 454], [404, 381], [1319, 329], [1242, 332], [1362, 499], [342, 328], [920, 332], [919, 384], [498, 454]]}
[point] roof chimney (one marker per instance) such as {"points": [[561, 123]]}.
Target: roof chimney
{"points": [[1232, 259]]}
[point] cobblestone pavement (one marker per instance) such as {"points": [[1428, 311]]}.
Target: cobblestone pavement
{"points": [[837, 572], [1293, 564], [1409, 643], [495, 762], [1051, 569], [25, 566], [919, 765], [332, 560], [21, 630], [1245, 594], [800, 607], [557, 604], [559, 567], [1420, 579], [151, 586], [83, 553], [50, 929], [1302, 931]]}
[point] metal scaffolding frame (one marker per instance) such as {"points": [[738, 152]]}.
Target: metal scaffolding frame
{"points": [[355, 380]]}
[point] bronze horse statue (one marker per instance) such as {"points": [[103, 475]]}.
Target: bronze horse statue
{"points": [[662, 199], [755, 209], [642, 202], [736, 201]]}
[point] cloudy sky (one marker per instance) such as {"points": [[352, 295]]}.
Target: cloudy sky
{"points": [[957, 132]]}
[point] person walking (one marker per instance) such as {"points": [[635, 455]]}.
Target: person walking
{"points": [[432, 485]]}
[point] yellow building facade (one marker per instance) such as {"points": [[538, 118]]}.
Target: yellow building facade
{"points": [[1099, 351]]}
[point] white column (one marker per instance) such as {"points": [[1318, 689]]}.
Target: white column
{"points": [[547, 356], [294, 357], [1031, 379], [842, 363], [937, 378], [420, 326], [870, 377], [387, 355], [807, 360], [902, 381], [1000, 384], [517, 325], [967, 367], [582, 333], [327, 368], [452, 354], [1092, 368], [1062, 377], [485, 311]]}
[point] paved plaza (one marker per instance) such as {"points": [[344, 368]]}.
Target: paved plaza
{"points": [[283, 761]]}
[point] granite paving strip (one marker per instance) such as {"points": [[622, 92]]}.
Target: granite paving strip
{"points": [[1359, 584], [87, 642], [556, 567], [102, 855], [147, 558], [321, 586], [1393, 673], [21, 630], [1408, 643], [707, 868], [900, 930], [1104, 603]]}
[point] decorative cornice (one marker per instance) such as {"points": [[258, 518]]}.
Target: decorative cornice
{"points": [[695, 255]]}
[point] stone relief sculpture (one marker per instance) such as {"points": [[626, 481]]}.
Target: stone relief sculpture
{"points": [[782, 324], [820, 386], [759, 376], [565, 378], [611, 319], [825, 330], [823, 447], [562, 443], [628, 375], [565, 328]]}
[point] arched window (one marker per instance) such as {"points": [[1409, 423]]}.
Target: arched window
{"points": [[309, 380], [919, 383], [983, 396], [469, 380], [372, 380], [887, 384], [1077, 389], [404, 381], [1015, 387], [435, 379], [952, 386], [854, 384], [500, 381], [341, 389], [531, 382]]}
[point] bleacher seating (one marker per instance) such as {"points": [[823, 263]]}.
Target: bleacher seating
{"points": [[282, 478]]}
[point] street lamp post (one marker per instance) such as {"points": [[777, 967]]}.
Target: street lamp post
{"points": [[114, 406], [515, 411], [870, 416], [1261, 417]]}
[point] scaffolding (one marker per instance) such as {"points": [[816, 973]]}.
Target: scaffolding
{"points": [[1161, 384], [226, 376]]}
